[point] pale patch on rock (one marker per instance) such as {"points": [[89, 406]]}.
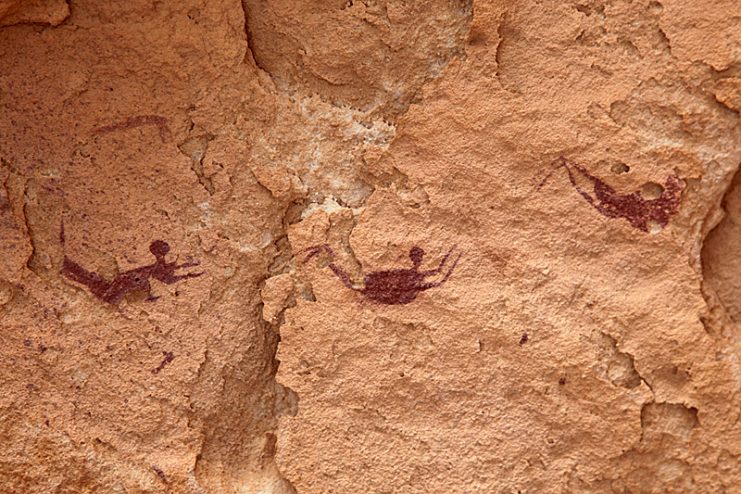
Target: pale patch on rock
{"points": [[275, 295]]}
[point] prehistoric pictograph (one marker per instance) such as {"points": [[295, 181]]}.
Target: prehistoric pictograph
{"points": [[394, 286], [168, 357], [138, 121], [134, 280], [642, 213]]}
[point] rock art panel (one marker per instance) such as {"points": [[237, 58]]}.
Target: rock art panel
{"points": [[177, 395], [568, 353], [388, 296]]}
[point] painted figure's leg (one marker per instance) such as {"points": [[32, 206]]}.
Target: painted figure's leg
{"points": [[150, 297], [75, 272]]}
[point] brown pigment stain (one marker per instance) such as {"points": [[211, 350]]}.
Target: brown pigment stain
{"points": [[169, 357], [641, 213], [134, 280], [395, 286], [159, 473], [138, 121]]}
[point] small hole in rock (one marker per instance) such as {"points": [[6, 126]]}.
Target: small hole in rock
{"points": [[654, 227], [619, 168], [651, 190], [655, 7]]}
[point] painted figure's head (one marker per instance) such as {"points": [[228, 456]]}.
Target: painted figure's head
{"points": [[416, 254], [159, 248]]}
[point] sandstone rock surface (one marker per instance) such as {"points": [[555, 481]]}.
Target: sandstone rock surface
{"points": [[291, 148], [52, 12]]}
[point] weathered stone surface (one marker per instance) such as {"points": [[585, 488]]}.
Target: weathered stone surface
{"points": [[619, 386], [52, 12], [8, 6], [373, 56], [579, 344]]}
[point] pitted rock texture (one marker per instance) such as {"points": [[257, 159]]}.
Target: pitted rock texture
{"points": [[371, 55], [52, 12], [568, 351]]}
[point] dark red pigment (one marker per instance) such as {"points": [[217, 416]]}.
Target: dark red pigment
{"points": [[134, 280], [169, 357], [395, 286], [159, 473], [523, 339], [640, 212], [138, 121]]}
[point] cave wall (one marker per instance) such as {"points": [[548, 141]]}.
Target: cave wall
{"points": [[574, 161]]}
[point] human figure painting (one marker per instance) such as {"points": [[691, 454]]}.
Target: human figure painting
{"points": [[394, 286], [643, 214], [133, 280]]}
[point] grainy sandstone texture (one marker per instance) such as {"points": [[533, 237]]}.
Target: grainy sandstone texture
{"points": [[581, 343]]}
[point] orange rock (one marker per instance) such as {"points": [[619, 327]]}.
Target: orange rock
{"points": [[573, 348], [52, 12]]}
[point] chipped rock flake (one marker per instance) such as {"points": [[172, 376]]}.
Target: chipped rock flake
{"points": [[316, 150], [52, 12]]}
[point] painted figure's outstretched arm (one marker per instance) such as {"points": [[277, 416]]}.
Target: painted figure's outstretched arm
{"points": [[556, 164], [188, 264], [337, 270], [169, 278], [439, 268], [672, 187], [342, 275], [315, 250], [562, 162], [165, 271], [570, 167], [434, 284]]}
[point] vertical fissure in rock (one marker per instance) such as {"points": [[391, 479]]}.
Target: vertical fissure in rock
{"points": [[334, 130], [721, 266]]}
